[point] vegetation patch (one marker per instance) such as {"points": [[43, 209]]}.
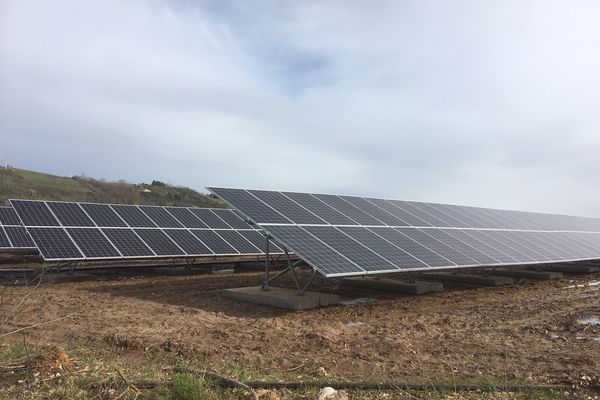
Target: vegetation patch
{"points": [[23, 184]]}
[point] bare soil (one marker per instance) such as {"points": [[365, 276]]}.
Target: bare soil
{"points": [[522, 332]]}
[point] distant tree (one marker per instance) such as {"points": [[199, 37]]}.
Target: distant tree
{"points": [[158, 183]]}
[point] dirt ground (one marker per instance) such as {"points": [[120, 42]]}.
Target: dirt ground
{"points": [[528, 331]]}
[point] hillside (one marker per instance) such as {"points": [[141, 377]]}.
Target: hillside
{"points": [[23, 184]]}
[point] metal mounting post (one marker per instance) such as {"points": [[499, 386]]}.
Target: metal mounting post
{"points": [[292, 268], [265, 285]]}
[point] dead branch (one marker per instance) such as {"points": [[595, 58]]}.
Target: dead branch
{"points": [[38, 324]]}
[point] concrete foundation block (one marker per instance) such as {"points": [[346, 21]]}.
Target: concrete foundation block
{"points": [[281, 297], [567, 268], [528, 274], [393, 285], [469, 279]]}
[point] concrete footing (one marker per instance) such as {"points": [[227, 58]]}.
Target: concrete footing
{"points": [[281, 298], [393, 285], [469, 279], [528, 274], [568, 269], [63, 278]]}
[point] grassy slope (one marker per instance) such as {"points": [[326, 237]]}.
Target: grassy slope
{"points": [[23, 184]]}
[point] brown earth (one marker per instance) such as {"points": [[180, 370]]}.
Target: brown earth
{"points": [[521, 332]]}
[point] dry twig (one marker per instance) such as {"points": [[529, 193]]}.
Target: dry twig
{"points": [[38, 324]]}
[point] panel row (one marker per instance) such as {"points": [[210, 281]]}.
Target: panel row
{"points": [[269, 207], [348, 250], [49, 213], [76, 243]]}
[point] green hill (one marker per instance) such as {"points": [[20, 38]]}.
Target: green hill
{"points": [[22, 184]]}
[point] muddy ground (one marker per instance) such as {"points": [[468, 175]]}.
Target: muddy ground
{"points": [[528, 331]]}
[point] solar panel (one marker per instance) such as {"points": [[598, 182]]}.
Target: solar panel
{"points": [[12, 234], [188, 242], [8, 216], [379, 213], [186, 217], [209, 218], [349, 210], [133, 216], [214, 242], [412, 247], [351, 249], [460, 214], [54, 244], [316, 207], [159, 242], [583, 250], [239, 242], [407, 218], [481, 246], [499, 244], [4, 242], [256, 206], [34, 213], [93, 243], [386, 249], [232, 219], [473, 253], [294, 211], [103, 215], [128, 243], [441, 248], [70, 214], [259, 241], [349, 235], [161, 217], [421, 213], [19, 237], [314, 251]]}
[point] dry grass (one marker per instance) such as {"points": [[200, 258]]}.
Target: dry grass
{"points": [[80, 373]]}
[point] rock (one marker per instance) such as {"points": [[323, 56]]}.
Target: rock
{"points": [[329, 393], [265, 394]]}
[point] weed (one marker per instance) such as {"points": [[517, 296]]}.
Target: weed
{"points": [[13, 351], [188, 387]]}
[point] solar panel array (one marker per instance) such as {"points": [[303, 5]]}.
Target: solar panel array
{"points": [[65, 231], [12, 233], [347, 235]]}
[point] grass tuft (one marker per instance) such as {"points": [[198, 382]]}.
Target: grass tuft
{"points": [[188, 387], [13, 351]]}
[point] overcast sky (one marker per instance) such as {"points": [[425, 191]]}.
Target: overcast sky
{"points": [[489, 103]]}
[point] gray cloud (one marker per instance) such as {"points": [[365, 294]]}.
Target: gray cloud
{"points": [[482, 103]]}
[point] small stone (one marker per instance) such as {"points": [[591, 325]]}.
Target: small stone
{"points": [[329, 393]]}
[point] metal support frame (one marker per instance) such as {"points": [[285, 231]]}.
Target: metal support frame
{"points": [[189, 261], [300, 289]]}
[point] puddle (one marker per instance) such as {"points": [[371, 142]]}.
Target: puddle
{"points": [[355, 323], [591, 283], [359, 300], [594, 320]]}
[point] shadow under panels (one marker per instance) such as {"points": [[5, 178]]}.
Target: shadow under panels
{"points": [[348, 235], [64, 231]]}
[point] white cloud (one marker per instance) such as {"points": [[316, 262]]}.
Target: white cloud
{"points": [[483, 103]]}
